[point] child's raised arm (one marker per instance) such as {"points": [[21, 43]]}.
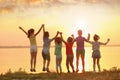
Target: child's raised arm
{"points": [[62, 38], [55, 36], [73, 38], [88, 38], [23, 30], [39, 29], [105, 42], [43, 29]]}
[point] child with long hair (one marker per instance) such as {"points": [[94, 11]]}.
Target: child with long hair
{"points": [[58, 53], [69, 52], [46, 48], [33, 46], [96, 51]]}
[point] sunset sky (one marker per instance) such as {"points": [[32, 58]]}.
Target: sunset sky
{"points": [[100, 17]]}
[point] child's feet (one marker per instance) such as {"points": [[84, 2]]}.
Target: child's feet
{"points": [[34, 70], [73, 71], [60, 73], [94, 71], [47, 70], [83, 70], [68, 71], [77, 70], [31, 70], [99, 70], [43, 69]]}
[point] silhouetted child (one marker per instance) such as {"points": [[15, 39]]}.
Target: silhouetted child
{"points": [[69, 52], [80, 51], [33, 46], [46, 48], [58, 53], [96, 51]]}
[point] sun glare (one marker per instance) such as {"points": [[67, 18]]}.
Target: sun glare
{"points": [[80, 24]]}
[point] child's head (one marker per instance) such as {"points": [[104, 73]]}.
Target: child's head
{"points": [[46, 34], [30, 32], [58, 40], [96, 37], [79, 32], [70, 39]]}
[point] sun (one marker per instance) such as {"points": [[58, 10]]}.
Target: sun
{"points": [[80, 24]]}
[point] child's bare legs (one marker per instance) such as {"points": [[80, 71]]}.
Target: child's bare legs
{"points": [[60, 60], [48, 63], [83, 62], [67, 65], [34, 58], [77, 63], [33, 61], [94, 61], [44, 61], [46, 57], [71, 63], [98, 59], [57, 64]]}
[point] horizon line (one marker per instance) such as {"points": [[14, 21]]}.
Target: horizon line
{"points": [[114, 45]]}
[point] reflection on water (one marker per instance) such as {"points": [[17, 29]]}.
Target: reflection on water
{"points": [[15, 58]]}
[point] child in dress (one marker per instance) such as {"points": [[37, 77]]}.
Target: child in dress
{"points": [[96, 51], [33, 46], [58, 53], [69, 52], [46, 48]]}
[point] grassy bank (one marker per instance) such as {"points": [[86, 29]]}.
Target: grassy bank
{"points": [[21, 75]]}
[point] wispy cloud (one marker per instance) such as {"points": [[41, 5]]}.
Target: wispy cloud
{"points": [[12, 5]]}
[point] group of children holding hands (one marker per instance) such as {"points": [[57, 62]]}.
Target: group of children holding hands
{"points": [[80, 51]]}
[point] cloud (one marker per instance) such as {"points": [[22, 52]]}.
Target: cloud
{"points": [[12, 5], [6, 6]]}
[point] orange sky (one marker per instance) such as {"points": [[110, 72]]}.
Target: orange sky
{"points": [[100, 17]]}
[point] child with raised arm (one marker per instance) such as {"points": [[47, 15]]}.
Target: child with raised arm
{"points": [[58, 53], [46, 48], [69, 52], [33, 46], [80, 51], [96, 51]]}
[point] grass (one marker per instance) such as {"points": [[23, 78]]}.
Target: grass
{"points": [[22, 75]]}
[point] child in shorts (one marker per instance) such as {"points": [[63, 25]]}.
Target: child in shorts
{"points": [[80, 51], [69, 52], [46, 48], [96, 51], [58, 53], [33, 46]]}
